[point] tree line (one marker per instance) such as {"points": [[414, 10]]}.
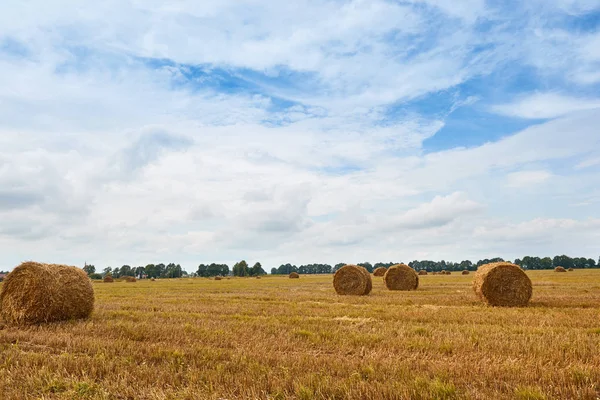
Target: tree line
{"points": [[242, 268]]}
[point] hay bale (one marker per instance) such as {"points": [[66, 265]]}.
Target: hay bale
{"points": [[443, 272], [294, 275], [129, 279], [465, 272], [218, 278], [570, 269], [401, 277], [379, 271], [352, 280], [448, 273], [423, 272], [108, 279], [560, 269], [502, 284], [152, 280], [258, 277], [34, 293]]}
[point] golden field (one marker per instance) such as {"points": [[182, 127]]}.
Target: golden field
{"points": [[280, 338]]}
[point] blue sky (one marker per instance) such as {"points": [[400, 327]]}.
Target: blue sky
{"points": [[314, 131]]}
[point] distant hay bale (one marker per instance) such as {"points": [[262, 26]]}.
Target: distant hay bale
{"points": [[258, 277], [129, 279], [352, 280], [465, 272], [422, 272], [35, 293], [108, 279], [502, 284], [379, 271], [443, 272], [152, 280], [401, 277], [294, 275], [218, 278], [560, 269], [570, 269], [448, 273]]}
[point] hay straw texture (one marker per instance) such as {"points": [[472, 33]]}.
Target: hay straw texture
{"points": [[465, 272], [502, 284], [294, 275], [560, 269], [352, 280], [129, 279], [34, 293], [108, 279], [379, 271], [422, 272], [443, 272], [401, 277]]}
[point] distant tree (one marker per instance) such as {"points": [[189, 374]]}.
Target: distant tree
{"points": [[140, 272], [89, 269], [546, 263], [95, 276], [273, 271], [256, 270], [126, 270], [107, 271], [240, 268], [562, 261], [367, 265]]}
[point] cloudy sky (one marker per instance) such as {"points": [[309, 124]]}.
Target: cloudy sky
{"points": [[138, 131]]}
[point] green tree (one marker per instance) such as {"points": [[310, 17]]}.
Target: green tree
{"points": [[257, 270], [107, 271], [89, 269], [240, 268]]}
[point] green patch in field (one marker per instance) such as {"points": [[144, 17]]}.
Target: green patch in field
{"points": [[529, 393]]}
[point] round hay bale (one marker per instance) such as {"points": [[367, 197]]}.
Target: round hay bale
{"points": [[379, 271], [352, 280], [448, 273], [152, 280], [218, 278], [294, 275], [258, 277], [401, 277], [35, 293], [502, 284], [465, 272], [560, 269], [570, 269], [423, 272], [443, 272], [129, 279], [108, 279]]}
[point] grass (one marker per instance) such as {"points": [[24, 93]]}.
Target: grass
{"points": [[280, 338]]}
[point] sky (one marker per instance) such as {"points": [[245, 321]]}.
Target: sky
{"points": [[311, 131]]}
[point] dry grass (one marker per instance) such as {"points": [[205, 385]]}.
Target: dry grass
{"points": [[284, 339]]}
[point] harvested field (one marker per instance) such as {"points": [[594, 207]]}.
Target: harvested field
{"points": [[195, 338]]}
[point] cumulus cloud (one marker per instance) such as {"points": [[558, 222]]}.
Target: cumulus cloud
{"points": [[546, 105]]}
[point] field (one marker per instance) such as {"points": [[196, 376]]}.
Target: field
{"points": [[280, 338]]}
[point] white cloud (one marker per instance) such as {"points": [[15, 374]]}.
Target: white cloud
{"points": [[546, 105], [525, 179]]}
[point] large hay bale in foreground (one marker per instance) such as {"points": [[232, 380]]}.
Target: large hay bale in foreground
{"points": [[35, 293], [401, 277], [379, 271], [129, 279], [422, 272], [294, 275], [465, 272], [108, 279], [560, 269], [502, 284], [352, 280]]}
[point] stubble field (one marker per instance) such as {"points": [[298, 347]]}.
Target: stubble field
{"points": [[280, 338]]}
